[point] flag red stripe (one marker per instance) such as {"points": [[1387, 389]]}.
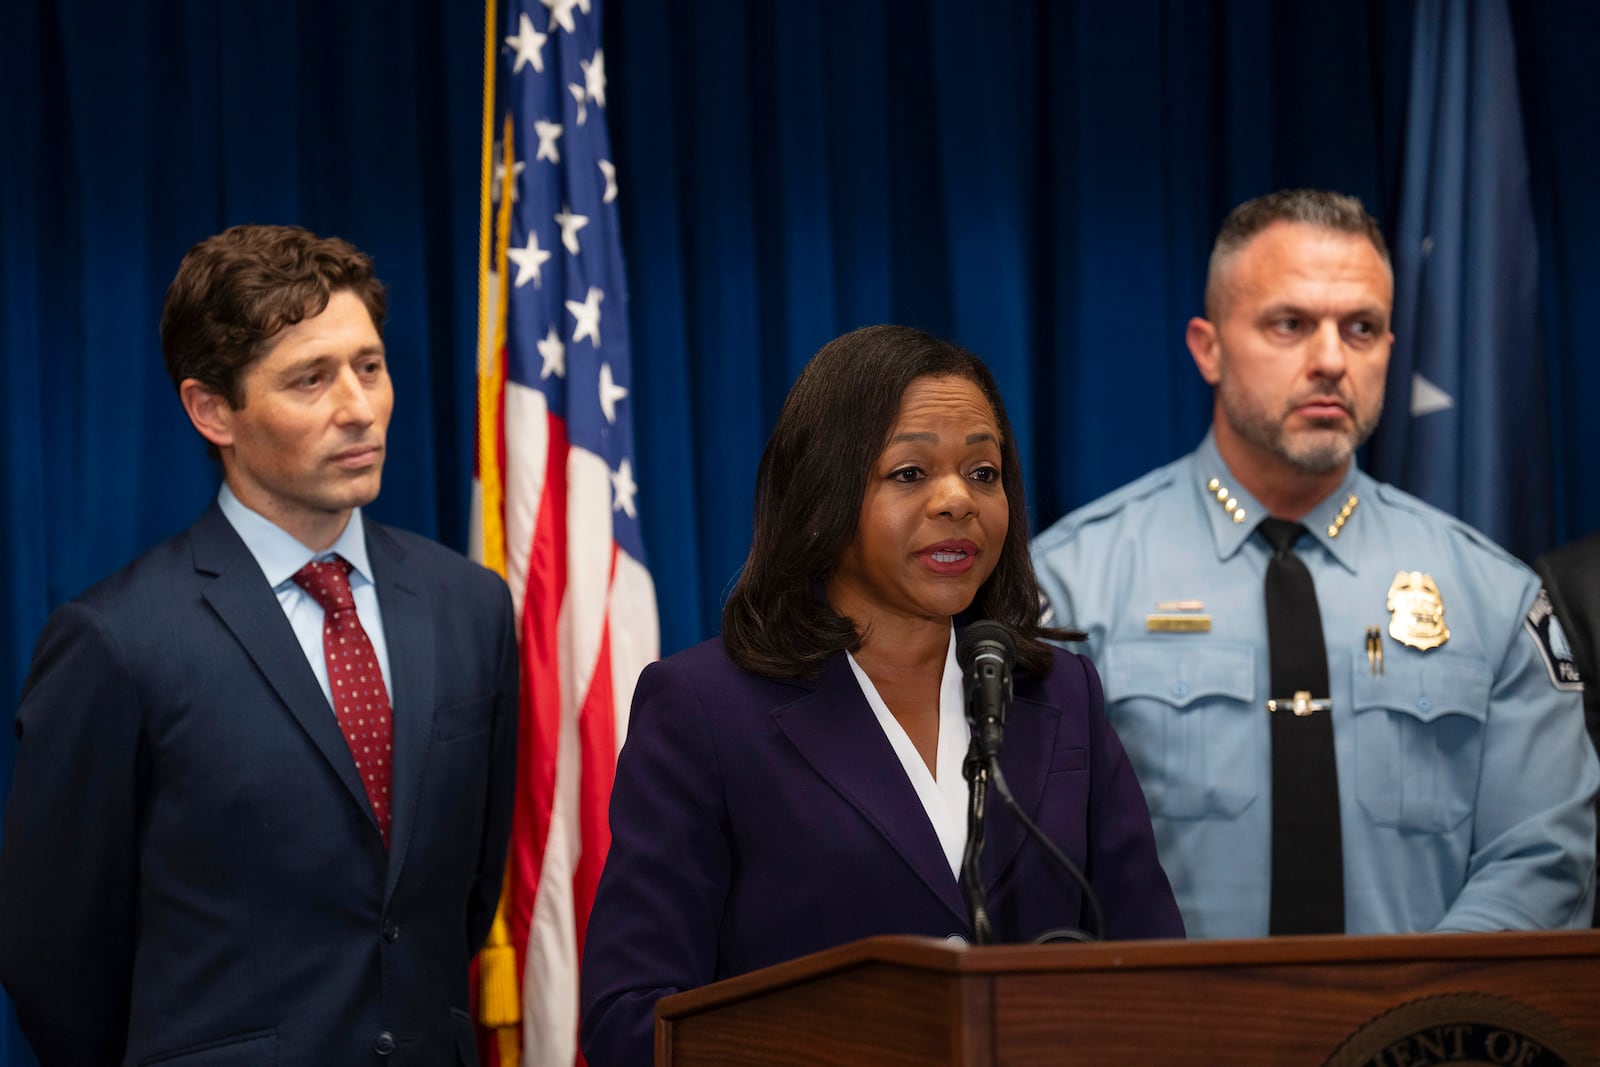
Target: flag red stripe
{"points": [[539, 738], [597, 740], [597, 737]]}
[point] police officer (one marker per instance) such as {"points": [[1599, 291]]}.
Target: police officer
{"points": [[1358, 715]]}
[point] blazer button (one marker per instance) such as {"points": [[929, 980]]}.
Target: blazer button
{"points": [[383, 1044], [391, 932]]}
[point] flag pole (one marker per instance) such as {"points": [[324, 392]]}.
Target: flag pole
{"points": [[499, 1007]]}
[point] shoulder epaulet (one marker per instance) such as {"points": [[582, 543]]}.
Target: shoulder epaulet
{"points": [[1110, 505], [1404, 501]]}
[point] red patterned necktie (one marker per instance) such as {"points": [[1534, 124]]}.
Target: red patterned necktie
{"points": [[360, 699]]}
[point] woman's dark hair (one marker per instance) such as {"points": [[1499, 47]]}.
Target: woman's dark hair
{"points": [[813, 477]]}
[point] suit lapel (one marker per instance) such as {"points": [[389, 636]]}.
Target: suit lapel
{"points": [[1025, 759], [248, 607], [409, 632], [835, 730]]}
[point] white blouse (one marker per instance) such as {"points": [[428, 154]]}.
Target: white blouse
{"points": [[944, 798]]}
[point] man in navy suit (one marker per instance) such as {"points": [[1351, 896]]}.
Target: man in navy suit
{"points": [[264, 773], [1572, 579]]}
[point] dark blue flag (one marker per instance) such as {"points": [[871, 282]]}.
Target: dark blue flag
{"points": [[1468, 414]]}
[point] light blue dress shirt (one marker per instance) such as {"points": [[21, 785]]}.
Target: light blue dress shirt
{"points": [[280, 556], [1466, 779]]}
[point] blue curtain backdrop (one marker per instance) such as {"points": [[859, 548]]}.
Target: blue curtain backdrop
{"points": [[1037, 180]]}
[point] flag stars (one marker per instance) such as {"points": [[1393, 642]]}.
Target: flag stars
{"points": [[570, 225], [610, 392], [587, 312], [608, 170], [561, 14], [529, 44], [517, 167], [594, 77], [547, 132], [554, 354], [530, 259], [624, 489]]}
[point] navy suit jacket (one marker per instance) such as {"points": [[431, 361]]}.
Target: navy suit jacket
{"points": [[756, 820], [191, 871], [1572, 578]]}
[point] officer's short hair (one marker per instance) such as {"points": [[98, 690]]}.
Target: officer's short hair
{"points": [[1313, 207]]}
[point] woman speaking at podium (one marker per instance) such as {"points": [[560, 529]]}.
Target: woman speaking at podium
{"points": [[798, 782]]}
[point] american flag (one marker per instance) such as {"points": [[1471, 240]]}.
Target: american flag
{"points": [[558, 511]]}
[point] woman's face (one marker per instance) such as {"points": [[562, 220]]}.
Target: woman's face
{"points": [[934, 515]]}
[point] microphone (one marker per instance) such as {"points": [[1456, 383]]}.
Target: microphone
{"points": [[985, 653]]}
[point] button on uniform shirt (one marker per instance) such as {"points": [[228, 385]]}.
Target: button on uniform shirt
{"points": [[1465, 776], [280, 556]]}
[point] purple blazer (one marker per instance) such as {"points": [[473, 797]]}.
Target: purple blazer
{"points": [[755, 820]]}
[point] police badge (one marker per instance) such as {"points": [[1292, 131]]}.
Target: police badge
{"points": [[1417, 612]]}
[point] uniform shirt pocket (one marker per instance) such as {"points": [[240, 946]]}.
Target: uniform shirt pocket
{"points": [[1419, 738], [1183, 712]]}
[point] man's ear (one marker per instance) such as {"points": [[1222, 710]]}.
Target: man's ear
{"points": [[209, 410], [1201, 337]]}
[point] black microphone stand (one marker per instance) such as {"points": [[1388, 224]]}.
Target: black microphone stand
{"points": [[1065, 933], [985, 653], [976, 771]]}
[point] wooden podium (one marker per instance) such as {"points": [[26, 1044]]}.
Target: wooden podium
{"points": [[1400, 1001]]}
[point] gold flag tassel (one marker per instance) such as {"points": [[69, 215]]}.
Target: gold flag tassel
{"points": [[498, 1002]]}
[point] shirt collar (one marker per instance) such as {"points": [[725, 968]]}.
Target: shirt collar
{"points": [[278, 553], [1331, 522]]}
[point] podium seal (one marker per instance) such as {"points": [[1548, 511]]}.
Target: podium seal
{"points": [[1465, 1029]]}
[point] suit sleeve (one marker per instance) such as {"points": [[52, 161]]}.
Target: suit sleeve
{"points": [[1572, 578], [1533, 843], [654, 927], [502, 775], [1567, 580], [68, 862], [1123, 867]]}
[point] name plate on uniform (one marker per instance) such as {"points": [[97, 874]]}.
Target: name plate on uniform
{"points": [[1174, 623]]}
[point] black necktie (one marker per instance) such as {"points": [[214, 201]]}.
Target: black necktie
{"points": [[1307, 854]]}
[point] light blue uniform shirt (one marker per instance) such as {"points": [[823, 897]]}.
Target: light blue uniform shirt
{"points": [[280, 556], [1465, 777]]}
